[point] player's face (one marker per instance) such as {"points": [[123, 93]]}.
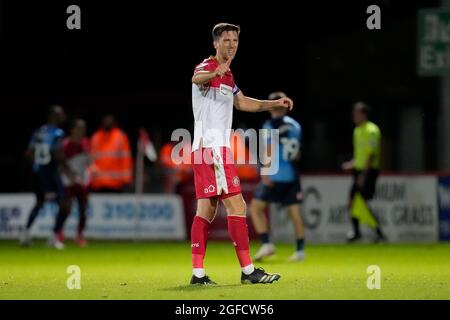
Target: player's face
{"points": [[60, 117], [227, 44], [358, 116], [108, 122], [79, 130]]}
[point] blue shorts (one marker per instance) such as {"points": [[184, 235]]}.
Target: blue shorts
{"points": [[284, 193], [48, 181]]}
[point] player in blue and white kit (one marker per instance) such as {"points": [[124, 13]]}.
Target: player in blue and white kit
{"points": [[45, 150], [284, 186]]}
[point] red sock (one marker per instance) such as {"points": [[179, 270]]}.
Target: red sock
{"points": [[199, 239], [238, 230]]}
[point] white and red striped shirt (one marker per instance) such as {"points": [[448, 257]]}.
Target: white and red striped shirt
{"points": [[212, 104]]}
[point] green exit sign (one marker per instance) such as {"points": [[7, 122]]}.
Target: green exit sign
{"points": [[433, 42]]}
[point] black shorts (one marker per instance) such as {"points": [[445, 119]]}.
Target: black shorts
{"points": [[284, 193], [368, 190], [48, 182]]}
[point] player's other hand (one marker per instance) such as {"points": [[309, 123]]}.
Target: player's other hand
{"points": [[285, 102]]}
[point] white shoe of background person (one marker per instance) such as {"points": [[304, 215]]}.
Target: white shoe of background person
{"points": [[353, 237], [266, 250], [53, 242], [297, 256], [25, 239]]}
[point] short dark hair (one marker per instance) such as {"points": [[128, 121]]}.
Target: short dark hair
{"points": [[222, 27], [362, 107]]}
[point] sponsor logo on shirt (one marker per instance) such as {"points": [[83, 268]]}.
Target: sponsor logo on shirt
{"points": [[225, 90]]}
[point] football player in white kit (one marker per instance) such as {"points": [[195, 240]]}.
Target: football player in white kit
{"points": [[214, 93]]}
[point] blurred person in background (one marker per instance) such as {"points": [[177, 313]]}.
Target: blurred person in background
{"points": [[365, 167], [112, 163], [283, 187], [76, 151], [175, 175], [46, 152]]}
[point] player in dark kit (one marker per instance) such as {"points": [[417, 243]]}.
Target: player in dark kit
{"points": [[45, 150], [282, 187]]}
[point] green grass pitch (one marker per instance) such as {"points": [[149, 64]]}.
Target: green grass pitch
{"points": [[161, 270]]}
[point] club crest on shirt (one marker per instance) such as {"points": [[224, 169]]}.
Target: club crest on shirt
{"points": [[236, 181]]}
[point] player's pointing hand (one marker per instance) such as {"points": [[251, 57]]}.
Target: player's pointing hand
{"points": [[223, 68]]}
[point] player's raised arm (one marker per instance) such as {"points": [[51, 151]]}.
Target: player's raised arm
{"points": [[247, 104], [202, 77]]}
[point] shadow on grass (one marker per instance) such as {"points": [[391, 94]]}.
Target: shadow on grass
{"points": [[200, 287], [274, 261]]}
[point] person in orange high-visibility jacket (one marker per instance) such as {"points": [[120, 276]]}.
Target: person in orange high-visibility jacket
{"points": [[112, 164]]}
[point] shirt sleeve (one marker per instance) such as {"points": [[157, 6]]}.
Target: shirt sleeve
{"points": [[87, 145], [58, 140], [297, 134], [236, 89], [127, 163], [65, 146], [204, 66], [373, 141]]}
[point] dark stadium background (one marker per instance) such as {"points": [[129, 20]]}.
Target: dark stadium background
{"points": [[135, 59]]}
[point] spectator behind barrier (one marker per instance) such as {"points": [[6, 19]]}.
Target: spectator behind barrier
{"points": [[112, 163]]}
